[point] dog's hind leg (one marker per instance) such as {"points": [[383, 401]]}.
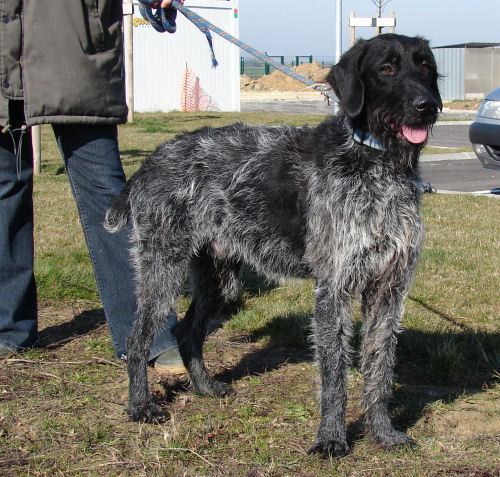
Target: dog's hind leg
{"points": [[214, 282], [161, 271], [382, 308], [332, 331]]}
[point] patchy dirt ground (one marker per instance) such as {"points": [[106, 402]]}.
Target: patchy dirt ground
{"points": [[62, 413], [278, 81], [463, 105]]}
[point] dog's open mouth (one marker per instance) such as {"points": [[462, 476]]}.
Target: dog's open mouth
{"points": [[414, 134]]}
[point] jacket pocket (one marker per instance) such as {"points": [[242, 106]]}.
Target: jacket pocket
{"points": [[95, 26]]}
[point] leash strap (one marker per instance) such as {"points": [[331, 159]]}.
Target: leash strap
{"points": [[164, 20], [205, 26]]}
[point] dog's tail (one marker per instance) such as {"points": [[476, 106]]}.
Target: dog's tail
{"points": [[118, 214]]}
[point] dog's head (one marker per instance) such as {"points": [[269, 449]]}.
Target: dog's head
{"points": [[388, 87]]}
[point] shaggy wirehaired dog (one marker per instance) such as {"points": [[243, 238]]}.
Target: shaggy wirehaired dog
{"points": [[338, 202]]}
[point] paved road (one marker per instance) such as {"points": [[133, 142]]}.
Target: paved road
{"points": [[450, 134], [457, 173], [299, 106]]}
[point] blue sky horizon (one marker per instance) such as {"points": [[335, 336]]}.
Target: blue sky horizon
{"points": [[293, 27]]}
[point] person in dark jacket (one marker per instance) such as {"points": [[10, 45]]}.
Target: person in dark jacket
{"points": [[61, 63]]}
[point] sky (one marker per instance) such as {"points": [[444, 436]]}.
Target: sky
{"points": [[302, 27]]}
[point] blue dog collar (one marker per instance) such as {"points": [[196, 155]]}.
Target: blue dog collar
{"points": [[366, 139]]}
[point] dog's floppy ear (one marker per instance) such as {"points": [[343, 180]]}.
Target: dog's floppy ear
{"points": [[434, 86], [435, 93], [346, 81]]}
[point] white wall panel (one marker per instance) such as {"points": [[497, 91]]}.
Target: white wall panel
{"points": [[450, 63], [161, 58]]}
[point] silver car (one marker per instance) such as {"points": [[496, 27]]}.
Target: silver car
{"points": [[484, 132]]}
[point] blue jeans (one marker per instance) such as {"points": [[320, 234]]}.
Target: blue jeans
{"points": [[94, 169]]}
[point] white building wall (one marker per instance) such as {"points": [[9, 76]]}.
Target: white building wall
{"points": [[450, 64], [161, 58]]}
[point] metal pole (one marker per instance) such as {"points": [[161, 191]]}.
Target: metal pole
{"points": [[353, 29], [128, 46], [393, 28], [36, 141], [338, 45]]}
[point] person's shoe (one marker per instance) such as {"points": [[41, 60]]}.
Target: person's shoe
{"points": [[5, 351], [170, 362]]}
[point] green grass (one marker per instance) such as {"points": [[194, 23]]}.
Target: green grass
{"points": [[61, 406], [446, 150]]}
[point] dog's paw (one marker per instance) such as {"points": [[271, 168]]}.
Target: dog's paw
{"points": [[330, 448], [394, 439], [221, 389], [212, 388], [150, 412]]}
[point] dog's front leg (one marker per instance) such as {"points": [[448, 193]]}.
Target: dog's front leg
{"points": [[382, 306], [332, 331]]}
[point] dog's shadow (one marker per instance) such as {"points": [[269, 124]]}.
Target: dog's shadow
{"points": [[431, 366], [287, 343], [287, 336]]}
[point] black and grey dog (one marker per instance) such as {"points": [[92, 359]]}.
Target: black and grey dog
{"points": [[338, 202]]}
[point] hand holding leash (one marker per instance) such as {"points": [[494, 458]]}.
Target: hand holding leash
{"points": [[164, 18]]}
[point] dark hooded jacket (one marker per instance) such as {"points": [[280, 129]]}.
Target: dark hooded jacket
{"points": [[64, 58]]}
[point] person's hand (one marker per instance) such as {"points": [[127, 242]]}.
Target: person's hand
{"points": [[165, 3]]}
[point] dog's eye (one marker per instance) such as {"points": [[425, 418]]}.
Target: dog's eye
{"points": [[426, 68], [387, 69]]}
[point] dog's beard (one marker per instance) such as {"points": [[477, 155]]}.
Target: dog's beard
{"points": [[408, 130]]}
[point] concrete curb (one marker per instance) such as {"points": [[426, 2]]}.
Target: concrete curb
{"points": [[456, 122], [452, 156], [484, 193]]}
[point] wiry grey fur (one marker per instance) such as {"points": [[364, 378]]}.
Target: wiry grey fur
{"points": [[306, 202]]}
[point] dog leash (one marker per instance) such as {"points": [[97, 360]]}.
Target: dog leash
{"points": [[163, 21]]}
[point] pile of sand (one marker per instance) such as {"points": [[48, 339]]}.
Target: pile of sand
{"points": [[277, 81]]}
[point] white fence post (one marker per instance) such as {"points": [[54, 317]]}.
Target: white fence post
{"points": [[128, 46], [36, 141]]}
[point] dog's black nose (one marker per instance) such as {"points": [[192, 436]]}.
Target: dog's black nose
{"points": [[424, 103]]}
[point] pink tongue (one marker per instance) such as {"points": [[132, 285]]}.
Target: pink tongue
{"points": [[414, 135]]}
